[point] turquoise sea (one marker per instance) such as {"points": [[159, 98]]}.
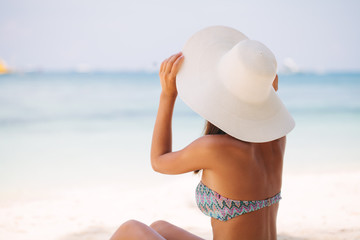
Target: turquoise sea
{"points": [[67, 128]]}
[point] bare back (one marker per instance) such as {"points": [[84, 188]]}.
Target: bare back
{"points": [[246, 171]]}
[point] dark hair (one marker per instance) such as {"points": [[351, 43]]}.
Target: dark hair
{"points": [[210, 129]]}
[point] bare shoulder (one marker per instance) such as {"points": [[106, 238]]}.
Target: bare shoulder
{"points": [[212, 141], [220, 144]]}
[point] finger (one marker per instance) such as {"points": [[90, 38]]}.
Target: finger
{"points": [[177, 64], [163, 65], [171, 61]]}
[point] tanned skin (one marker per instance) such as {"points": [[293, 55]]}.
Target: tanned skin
{"points": [[236, 169]]}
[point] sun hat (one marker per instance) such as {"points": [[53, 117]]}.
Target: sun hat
{"points": [[227, 79]]}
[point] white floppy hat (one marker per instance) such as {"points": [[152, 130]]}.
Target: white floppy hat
{"points": [[227, 79]]}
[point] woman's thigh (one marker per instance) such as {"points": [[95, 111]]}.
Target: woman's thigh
{"points": [[134, 230], [172, 232]]}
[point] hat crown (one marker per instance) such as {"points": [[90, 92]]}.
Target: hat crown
{"points": [[247, 71]]}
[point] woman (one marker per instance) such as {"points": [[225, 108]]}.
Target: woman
{"points": [[227, 79]]}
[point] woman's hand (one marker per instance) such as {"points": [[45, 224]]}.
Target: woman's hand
{"points": [[168, 71], [275, 83]]}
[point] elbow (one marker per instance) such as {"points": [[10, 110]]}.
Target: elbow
{"points": [[154, 164], [154, 167]]}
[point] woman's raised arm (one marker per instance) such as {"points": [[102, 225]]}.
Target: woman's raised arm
{"points": [[163, 159], [162, 135]]}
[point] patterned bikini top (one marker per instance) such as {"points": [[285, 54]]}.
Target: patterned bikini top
{"points": [[216, 206]]}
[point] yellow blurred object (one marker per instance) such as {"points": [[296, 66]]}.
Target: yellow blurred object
{"points": [[3, 67]]}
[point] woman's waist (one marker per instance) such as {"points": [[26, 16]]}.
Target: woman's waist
{"points": [[255, 225]]}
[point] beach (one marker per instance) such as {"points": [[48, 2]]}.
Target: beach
{"points": [[320, 206], [313, 207], [74, 157]]}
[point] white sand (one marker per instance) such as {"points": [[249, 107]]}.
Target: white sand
{"points": [[314, 206]]}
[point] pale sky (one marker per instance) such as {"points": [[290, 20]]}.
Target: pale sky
{"points": [[317, 35]]}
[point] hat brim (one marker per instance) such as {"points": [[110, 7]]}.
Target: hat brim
{"points": [[199, 87]]}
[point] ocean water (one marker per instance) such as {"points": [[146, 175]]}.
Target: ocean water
{"points": [[69, 129]]}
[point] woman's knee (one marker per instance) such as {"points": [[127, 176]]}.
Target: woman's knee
{"points": [[159, 225], [128, 228], [130, 224], [170, 231]]}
